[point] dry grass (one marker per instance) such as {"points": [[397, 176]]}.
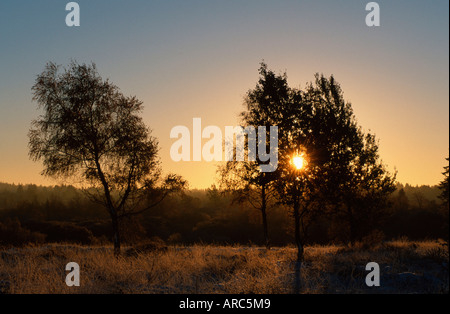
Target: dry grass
{"points": [[406, 267]]}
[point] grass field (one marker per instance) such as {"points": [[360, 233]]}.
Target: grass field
{"points": [[406, 267]]}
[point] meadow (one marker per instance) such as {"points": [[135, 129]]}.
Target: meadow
{"points": [[405, 266]]}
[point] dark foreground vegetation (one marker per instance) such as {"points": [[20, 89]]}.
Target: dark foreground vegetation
{"points": [[34, 214], [405, 267]]}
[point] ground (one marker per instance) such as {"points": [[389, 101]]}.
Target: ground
{"points": [[405, 267]]}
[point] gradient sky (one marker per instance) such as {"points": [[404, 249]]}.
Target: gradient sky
{"points": [[187, 59]]}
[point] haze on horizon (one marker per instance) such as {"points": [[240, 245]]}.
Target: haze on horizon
{"points": [[188, 59]]}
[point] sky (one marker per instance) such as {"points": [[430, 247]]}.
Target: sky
{"points": [[198, 58]]}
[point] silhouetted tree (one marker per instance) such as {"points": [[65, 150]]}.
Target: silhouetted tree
{"points": [[401, 201], [298, 190], [353, 179], [365, 196], [342, 171], [420, 199], [91, 131], [247, 184], [304, 133], [444, 196], [443, 186], [263, 107]]}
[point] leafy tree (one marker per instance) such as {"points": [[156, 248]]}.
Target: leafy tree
{"points": [[297, 189], [365, 195], [353, 179], [91, 131], [304, 136], [342, 171], [443, 186], [264, 106], [401, 200], [444, 196], [247, 184]]}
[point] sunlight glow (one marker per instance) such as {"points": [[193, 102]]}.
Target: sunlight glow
{"points": [[298, 162]]}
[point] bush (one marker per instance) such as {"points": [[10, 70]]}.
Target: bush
{"points": [[132, 231], [63, 232], [175, 238], [373, 240], [13, 234]]}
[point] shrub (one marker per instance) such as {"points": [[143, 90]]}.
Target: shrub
{"points": [[373, 239], [13, 234], [63, 232], [175, 238]]}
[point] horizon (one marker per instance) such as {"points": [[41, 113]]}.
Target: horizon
{"points": [[189, 188]]}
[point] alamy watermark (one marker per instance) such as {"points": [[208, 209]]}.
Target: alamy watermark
{"points": [[73, 17], [372, 18], [73, 277], [373, 278], [213, 150]]}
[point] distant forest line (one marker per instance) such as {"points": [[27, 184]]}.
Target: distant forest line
{"points": [[38, 214]]}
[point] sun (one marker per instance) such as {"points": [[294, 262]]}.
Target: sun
{"points": [[299, 162]]}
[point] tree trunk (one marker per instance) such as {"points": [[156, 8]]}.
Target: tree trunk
{"points": [[352, 226], [298, 263], [116, 235], [264, 217], [352, 233], [298, 241]]}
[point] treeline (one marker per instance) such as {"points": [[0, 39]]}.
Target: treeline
{"points": [[30, 213]]}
